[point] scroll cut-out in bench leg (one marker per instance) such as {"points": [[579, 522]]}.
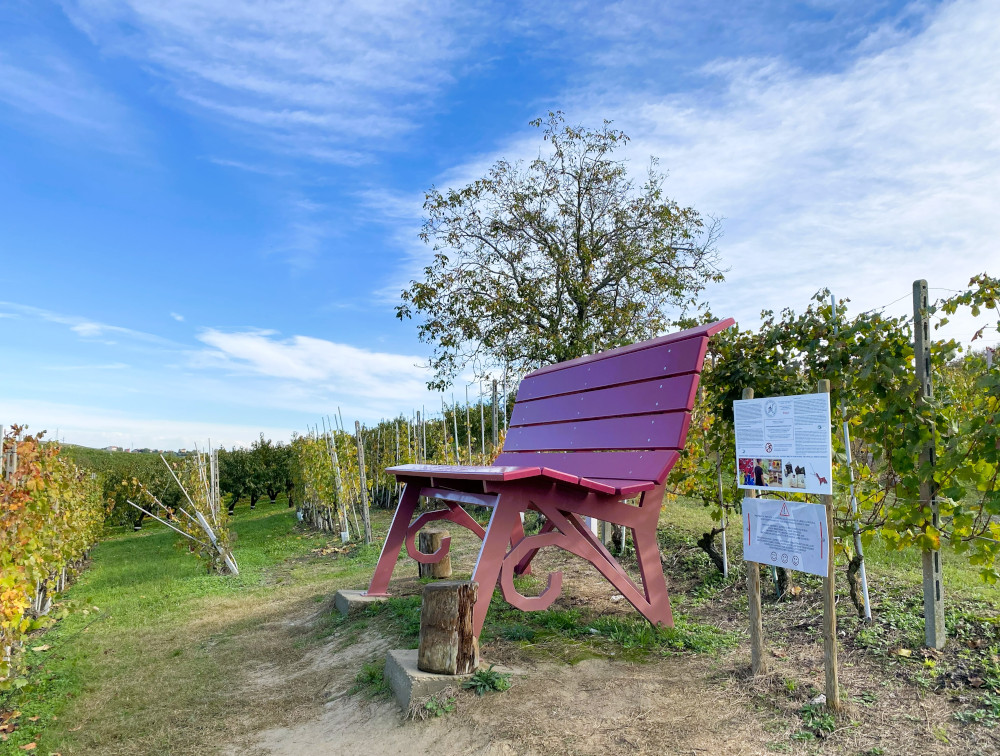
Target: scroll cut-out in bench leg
{"points": [[404, 532], [506, 516], [454, 514], [566, 530]]}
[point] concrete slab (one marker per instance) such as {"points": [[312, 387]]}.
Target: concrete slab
{"points": [[349, 602], [409, 684]]}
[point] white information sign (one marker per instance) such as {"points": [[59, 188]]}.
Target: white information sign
{"points": [[783, 443], [788, 534]]}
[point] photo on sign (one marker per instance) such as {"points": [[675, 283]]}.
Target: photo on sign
{"points": [[763, 472], [783, 443], [801, 473]]}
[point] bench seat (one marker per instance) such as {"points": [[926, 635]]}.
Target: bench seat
{"points": [[509, 472]]}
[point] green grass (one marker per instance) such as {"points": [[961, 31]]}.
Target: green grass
{"points": [[961, 580], [148, 615], [370, 681], [146, 661]]}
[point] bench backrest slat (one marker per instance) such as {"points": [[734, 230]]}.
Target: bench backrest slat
{"points": [[659, 394], [673, 358], [635, 400], [663, 430]]}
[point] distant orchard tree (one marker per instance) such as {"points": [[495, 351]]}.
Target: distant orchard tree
{"points": [[560, 257]]}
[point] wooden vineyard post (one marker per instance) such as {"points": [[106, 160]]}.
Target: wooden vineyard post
{"points": [[829, 600], [416, 433], [331, 443], [448, 644], [468, 424], [482, 426], [430, 541], [365, 514], [454, 424], [423, 437], [758, 662], [496, 419]]}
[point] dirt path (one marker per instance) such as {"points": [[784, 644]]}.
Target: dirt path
{"points": [[594, 707], [681, 704]]}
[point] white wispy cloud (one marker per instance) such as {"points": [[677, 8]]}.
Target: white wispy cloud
{"points": [[341, 369], [264, 170], [862, 179], [85, 327], [87, 368], [177, 316], [329, 80], [306, 230], [99, 427], [51, 92], [227, 379]]}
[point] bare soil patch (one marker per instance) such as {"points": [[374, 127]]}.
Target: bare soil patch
{"points": [[680, 704]]}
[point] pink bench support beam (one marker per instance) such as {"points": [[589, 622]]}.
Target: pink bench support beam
{"points": [[585, 437]]}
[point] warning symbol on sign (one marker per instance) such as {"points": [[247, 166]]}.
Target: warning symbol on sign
{"points": [[784, 510]]}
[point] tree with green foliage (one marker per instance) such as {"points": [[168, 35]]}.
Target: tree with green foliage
{"points": [[234, 474], [560, 257], [270, 468]]}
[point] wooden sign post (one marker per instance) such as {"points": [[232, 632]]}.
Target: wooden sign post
{"points": [[809, 518], [758, 662]]}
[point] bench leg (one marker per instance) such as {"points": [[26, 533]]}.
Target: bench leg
{"points": [[394, 540], [499, 533], [654, 582]]}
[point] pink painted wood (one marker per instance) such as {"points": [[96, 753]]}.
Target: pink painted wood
{"points": [[636, 400], [645, 465], [665, 430], [662, 394], [660, 361], [448, 472]]}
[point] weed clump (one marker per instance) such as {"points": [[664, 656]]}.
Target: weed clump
{"points": [[370, 681], [484, 681]]}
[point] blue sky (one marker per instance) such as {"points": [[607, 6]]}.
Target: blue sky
{"points": [[207, 210]]}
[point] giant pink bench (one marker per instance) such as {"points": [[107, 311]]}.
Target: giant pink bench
{"points": [[586, 438]]}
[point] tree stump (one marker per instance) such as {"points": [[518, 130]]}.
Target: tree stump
{"points": [[447, 643], [429, 541]]}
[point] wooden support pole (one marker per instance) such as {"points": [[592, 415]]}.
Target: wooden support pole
{"points": [[365, 514], [423, 436], [468, 424], [454, 423], [341, 499], [429, 541], [448, 645], [934, 629], [758, 661], [482, 425], [503, 395], [830, 599], [496, 408]]}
